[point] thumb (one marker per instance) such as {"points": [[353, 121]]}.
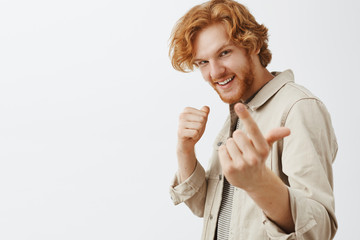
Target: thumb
{"points": [[205, 109], [276, 134]]}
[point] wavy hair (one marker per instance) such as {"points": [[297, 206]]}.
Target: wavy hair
{"points": [[241, 26]]}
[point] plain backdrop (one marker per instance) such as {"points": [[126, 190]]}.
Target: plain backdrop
{"points": [[89, 105]]}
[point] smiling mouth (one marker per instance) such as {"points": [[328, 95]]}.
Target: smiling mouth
{"points": [[226, 81]]}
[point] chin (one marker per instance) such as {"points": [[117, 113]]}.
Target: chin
{"points": [[230, 97], [230, 100]]}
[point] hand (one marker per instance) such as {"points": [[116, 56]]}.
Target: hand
{"points": [[192, 123], [244, 155]]}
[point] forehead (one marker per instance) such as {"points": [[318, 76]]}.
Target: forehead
{"points": [[210, 40]]}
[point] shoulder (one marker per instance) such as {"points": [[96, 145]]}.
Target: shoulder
{"points": [[294, 92]]}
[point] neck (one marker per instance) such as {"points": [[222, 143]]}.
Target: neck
{"points": [[261, 77]]}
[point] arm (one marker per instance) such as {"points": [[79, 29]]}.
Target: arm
{"points": [[192, 123], [189, 185], [307, 157]]}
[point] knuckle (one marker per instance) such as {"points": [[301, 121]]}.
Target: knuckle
{"points": [[187, 109], [229, 169], [237, 133], [181, 135], [182, 116], [230, 141], [264, 152], [196, 126], [181, 131], [203, 119], [253, 160], [222, 148], [239, 165]]}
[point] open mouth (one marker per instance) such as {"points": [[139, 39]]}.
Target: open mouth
{"points": [[226, 81]]}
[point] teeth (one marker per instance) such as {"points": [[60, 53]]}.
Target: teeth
{"points": [[226, 81]]}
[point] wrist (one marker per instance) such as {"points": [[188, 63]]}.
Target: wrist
{"points": [[272, 196], [264, 180], [186, 161], [185, 149]]}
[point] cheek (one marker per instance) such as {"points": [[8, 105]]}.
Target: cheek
{"points": [[237, 64], [235, 68], [205, 75]]}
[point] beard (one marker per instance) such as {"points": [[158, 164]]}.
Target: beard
{"points": [[244, 81]]}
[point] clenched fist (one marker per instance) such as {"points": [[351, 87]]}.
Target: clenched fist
{"points": [[192, 123]]}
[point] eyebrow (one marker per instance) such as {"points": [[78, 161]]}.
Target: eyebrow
{"points": [[217, 51]]}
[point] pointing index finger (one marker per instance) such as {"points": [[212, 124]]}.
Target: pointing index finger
{"points": [[251, 127]]}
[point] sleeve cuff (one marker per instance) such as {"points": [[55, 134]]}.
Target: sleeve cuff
{"points": [[302, 216], [275, 232], [185, 190]]}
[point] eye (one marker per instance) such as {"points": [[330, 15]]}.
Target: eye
{"points": [[224, 53], [201, 63]]}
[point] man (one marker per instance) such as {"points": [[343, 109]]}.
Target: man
{"points": [[273, 186]]}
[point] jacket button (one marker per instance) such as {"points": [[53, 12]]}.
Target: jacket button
{"points": [[211, 217], [219, 144]]}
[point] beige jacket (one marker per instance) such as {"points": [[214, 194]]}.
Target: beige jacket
{"points": [[302, 160]]}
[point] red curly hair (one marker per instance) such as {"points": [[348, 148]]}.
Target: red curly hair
{"points": [[241, 26]]}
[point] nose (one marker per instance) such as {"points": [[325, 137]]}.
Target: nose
{"points": [[217, 70]]}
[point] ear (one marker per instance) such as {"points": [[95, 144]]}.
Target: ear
{"points": [[255, 58], [254, 52]]}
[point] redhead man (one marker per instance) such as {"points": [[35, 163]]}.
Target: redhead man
{"points": [[270, 175]]}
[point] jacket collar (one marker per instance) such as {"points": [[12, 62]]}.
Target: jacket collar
{"points": [[269, 90], [264, 94]]}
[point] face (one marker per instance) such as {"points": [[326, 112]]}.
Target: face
{"points": [[226, 67]]}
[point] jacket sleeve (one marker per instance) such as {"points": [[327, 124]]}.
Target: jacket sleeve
{"points": [[192, 191], [307, 157]]}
